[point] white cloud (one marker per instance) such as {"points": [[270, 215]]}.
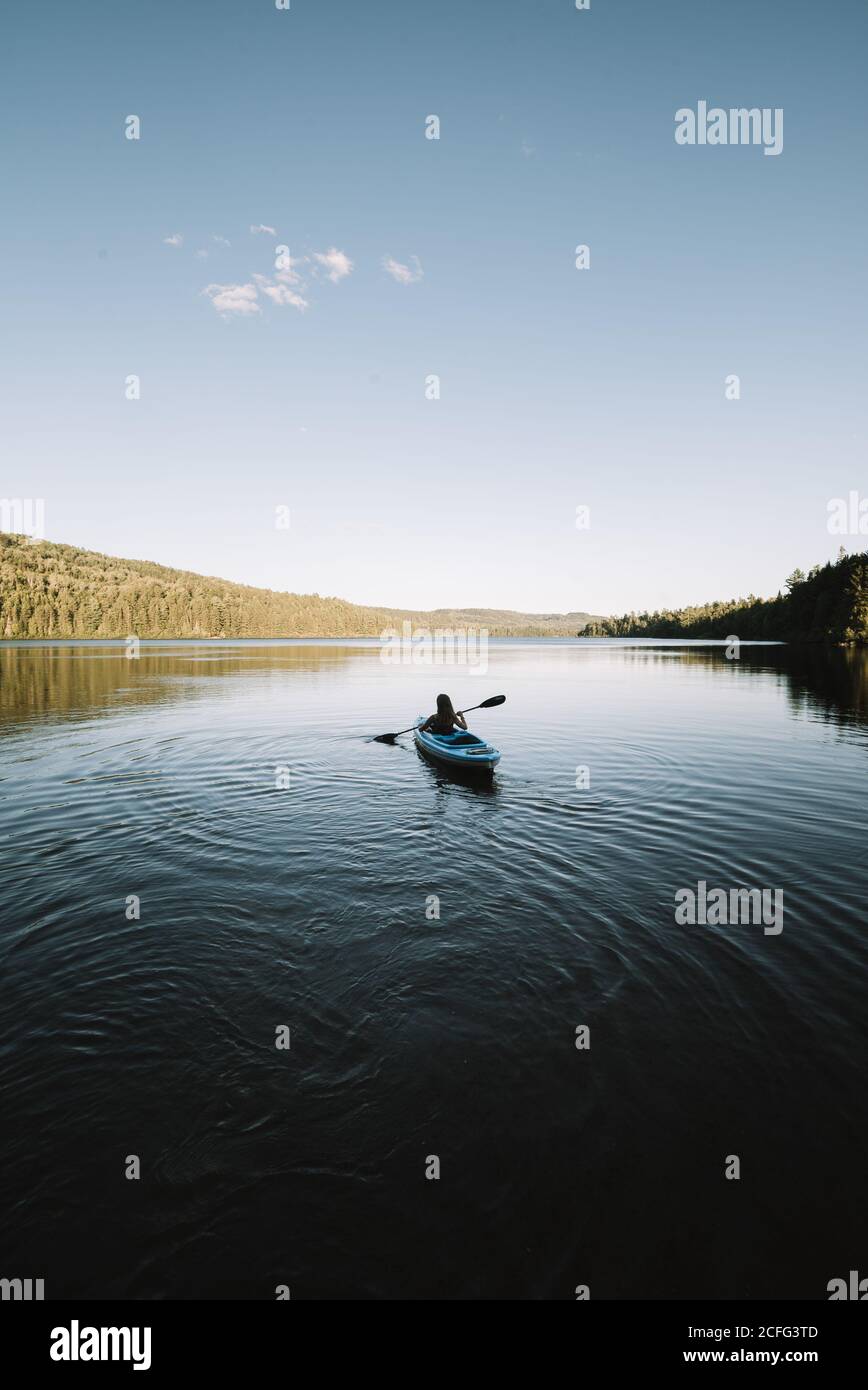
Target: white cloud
{"points": [[284, 286], [262, 228], [174, 240], [336, 263], [404, 274], [288, 273], [281, 294], [527, 149], [202, 255], [233, 299], [221, 241]]}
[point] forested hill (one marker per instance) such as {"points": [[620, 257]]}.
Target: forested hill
{"points": [[830, 604], [49, 590]]}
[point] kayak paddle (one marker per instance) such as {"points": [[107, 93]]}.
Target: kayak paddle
{"points": [[486, 704]]}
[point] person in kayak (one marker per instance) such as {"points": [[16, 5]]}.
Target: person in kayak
{"points": [[445, 720]]}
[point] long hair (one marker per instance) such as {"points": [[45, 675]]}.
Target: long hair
{"points": [[445, 711]]}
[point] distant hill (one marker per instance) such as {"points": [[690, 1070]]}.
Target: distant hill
{"points": [[829, 604], [50, 590]]}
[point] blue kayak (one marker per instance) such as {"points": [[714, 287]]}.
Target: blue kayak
{"points": [[459, 749]]}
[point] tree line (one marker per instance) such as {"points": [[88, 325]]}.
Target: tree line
{"points": [[48, 590], [828, 604]]}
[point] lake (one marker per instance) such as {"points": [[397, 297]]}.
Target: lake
{"points": [[432, 946]]}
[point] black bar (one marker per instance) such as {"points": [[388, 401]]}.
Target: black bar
{"points": [[228, 1338]]}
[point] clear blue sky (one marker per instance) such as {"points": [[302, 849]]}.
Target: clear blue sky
{"points": [[558, 387]]}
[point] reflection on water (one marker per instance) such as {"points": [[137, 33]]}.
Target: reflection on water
{"points": [[831, 682], [66, 679], [432, 945]]}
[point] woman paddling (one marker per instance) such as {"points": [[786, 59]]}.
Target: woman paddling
{"points": [[445, 720]]}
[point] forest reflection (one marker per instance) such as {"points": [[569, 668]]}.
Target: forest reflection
{"points": [[67, 681]]}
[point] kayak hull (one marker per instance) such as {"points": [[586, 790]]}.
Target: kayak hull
{"points": [[460, 750]]}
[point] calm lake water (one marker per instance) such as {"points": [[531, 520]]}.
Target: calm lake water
{"points": [[415, 1035]]}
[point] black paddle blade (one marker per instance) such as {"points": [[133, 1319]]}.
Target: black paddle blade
{"points": [[384, 738], [495, 700]]}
